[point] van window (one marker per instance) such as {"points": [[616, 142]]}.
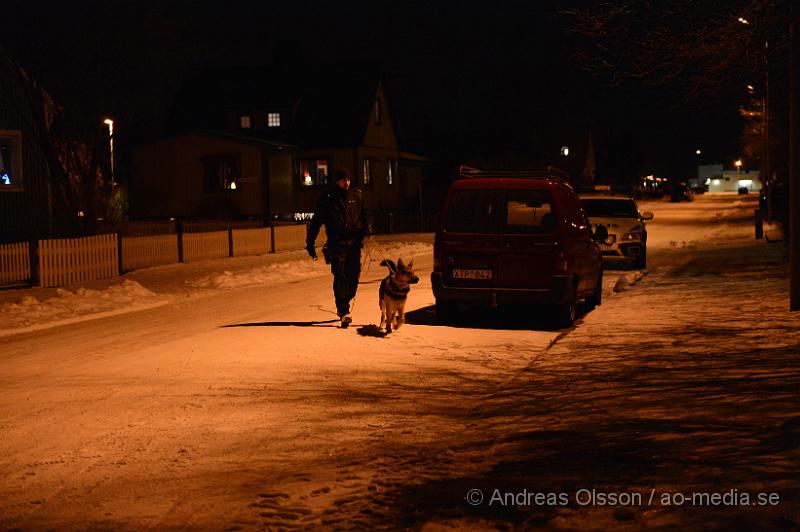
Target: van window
{"points": [[529, 211], [500, 211]]}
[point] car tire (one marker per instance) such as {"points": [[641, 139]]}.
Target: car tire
{"points": [[566, 312], [641, 263], [597, 298], [445, 311]]}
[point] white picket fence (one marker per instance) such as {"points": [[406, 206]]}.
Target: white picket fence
{"points": [[251, 241], [15, 263], [74, 260], [66, 261], [146, 251], [200, 246]]}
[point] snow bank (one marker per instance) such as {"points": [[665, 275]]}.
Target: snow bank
{"points": [[304, 269], [273, 273], [30, 314]]}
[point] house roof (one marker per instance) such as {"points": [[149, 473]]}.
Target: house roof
{"points": [[229, 136], [326, 106]]}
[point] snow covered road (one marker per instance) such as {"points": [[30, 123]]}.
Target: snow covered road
{"points": [[233, 400]]}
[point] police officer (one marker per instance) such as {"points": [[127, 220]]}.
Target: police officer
{"points": [[341, 210]]}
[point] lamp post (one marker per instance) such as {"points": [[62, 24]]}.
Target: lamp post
{"points": [[766, 170], [738, 164], [110, 124]]}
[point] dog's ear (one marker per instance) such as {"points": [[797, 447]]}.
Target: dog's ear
{"points": [[400, 265], [410, 265], [389, 264]]}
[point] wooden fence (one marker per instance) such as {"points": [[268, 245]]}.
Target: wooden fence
{"points": [[200, 246], [251, 241], [146, 251], [15, 263], [66, 261], [292, 237]]}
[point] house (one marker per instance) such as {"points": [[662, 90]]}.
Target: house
{"points": [[25, 206], [209, 174], [718, 179], [266, 144]]}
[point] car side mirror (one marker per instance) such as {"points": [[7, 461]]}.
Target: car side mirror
{"points": [[647, 215], [601, 233]]}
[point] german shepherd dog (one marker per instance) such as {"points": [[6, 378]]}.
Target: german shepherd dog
{"points": [[394, 291]]}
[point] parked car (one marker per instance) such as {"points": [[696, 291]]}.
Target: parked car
{"points": [[626, 243], [680, 192], [515, 237]]}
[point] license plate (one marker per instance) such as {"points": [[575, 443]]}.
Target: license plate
{"points": [[472, 274], [606, 247]]}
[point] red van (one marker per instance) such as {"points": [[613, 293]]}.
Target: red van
{"points": [[515, 237]]}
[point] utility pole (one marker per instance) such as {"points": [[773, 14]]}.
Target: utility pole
{"points": [[794, 166], [766, 168]]}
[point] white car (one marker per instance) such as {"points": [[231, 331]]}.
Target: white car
{"points": [[627, 232]]}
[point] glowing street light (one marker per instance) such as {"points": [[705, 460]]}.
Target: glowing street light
{"points": [[738, 164], [110, 124], [743, 20], [698, 152]]}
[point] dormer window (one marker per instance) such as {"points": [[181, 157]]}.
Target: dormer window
{"points": [[273, 120], [244, 121]]}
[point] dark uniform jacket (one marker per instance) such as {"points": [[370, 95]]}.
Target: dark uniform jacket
{"points": [[342, 212]]}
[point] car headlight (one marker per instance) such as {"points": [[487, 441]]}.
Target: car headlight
{"points": [[634, 234]]}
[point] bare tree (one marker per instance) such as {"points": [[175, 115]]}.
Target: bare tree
{"points": [[708, 48]]}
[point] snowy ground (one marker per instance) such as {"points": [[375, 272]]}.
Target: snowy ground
{"points": [[221, 395]]}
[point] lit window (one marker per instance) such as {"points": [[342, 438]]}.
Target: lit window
{"points": [[390, 172], [311, 172], [244, 121], [10, 160], [221, 173], [378, 116], [274, 119], [366, 172]]}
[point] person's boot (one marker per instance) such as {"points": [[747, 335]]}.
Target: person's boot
{"points": [[346, 321]]}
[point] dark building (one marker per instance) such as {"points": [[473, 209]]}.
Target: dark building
{"points": [[263, 143], [25, 205]]}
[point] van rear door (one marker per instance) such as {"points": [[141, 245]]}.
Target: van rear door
{"points": [[499, 238]]}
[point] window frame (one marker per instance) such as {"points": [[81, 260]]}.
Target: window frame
{"points": [[366, 171], [14, 136], [299, 178], [245, 121], [234, 158], [273, 119], [391, 171]]}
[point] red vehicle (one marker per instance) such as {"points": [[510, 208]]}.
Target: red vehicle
{"points": [[515, 237]]}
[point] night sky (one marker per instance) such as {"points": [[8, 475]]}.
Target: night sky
{"points": [[471, 82]]}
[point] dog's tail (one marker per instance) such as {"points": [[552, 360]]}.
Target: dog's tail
{"points": [[389, 264]]}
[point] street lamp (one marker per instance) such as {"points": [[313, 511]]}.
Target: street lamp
{"points": [[110, 124], [738, 164], [698, 152]]}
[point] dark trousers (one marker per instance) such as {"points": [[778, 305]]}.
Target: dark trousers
{"points": [[346, 268]]}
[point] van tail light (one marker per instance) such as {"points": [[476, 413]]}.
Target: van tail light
{"points": [[561, 262]]}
